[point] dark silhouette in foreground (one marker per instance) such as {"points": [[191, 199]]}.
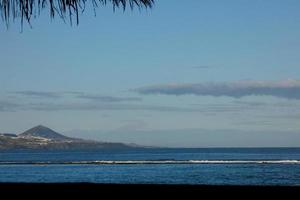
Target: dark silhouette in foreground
{"points": [[25, 10], [141, 191]]}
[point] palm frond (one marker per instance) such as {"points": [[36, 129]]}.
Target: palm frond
{"points": [[27, 9]]}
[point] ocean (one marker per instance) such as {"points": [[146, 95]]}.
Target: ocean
{"points": [[205, 166]]}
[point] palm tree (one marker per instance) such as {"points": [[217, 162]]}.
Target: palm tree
{"points": [[27, 9]]}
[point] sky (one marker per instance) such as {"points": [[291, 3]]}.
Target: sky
{"points": [[195, 73]]}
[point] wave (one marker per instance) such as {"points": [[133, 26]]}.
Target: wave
{"points": [[136, 162]]}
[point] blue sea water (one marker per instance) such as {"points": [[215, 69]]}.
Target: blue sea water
{"points": [[212, 166]]}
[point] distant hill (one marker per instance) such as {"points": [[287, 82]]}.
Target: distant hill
{"points": [[41, 137], [43, 132], [8, 134]]}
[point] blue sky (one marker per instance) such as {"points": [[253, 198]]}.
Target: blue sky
{"points": [[193, 74]]}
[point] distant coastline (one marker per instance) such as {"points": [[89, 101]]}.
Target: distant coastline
{"points": [[44, 138]]}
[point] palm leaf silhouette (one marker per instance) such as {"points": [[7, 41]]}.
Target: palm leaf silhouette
{"points": [[27, 9]]}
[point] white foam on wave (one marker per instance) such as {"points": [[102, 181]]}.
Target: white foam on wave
{"points": [[135, 162], [202, 162], [246, 161]]}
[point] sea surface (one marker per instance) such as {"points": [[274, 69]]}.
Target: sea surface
{"points": [[211, 166]]}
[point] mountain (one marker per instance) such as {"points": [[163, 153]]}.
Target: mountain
{"points": [[43, 132], [43, 138]]}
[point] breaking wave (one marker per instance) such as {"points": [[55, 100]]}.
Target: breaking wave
{"points": [[135, 162]]}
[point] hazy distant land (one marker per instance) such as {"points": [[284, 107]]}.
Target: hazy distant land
{"points": [[41, 137]]}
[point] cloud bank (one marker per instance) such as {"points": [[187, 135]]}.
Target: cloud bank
{"points": [[7, 106], [289, 89], [75, 95], [12, 107], [108, 98], [38, 94]]}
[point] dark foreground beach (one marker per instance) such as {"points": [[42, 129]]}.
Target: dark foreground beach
{"points": [[142, 190]]}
